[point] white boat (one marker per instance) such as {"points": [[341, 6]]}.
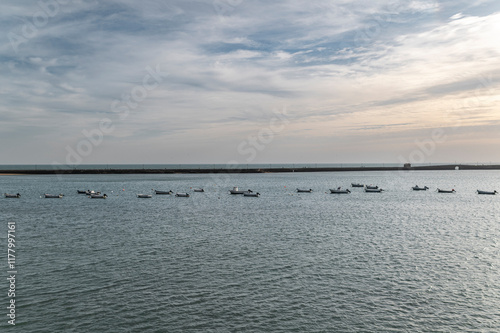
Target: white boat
{"points": [[98, 196], [144, 196], [299, 190], [371, 187], [373, 190], [486, 192], [418, 188], [53, 196], [445, 191], [199, 190], [235, 190], [251, 194], [340, 191], [7, 195], [357, 185], [184, 195], [163, 192]]}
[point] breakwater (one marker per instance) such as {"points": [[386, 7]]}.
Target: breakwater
{"points": [[228, 169]]}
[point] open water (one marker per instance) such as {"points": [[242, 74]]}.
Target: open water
{"points": [[397, 261]]}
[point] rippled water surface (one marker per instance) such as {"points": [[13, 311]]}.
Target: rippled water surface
{"points": [[397, 261]]}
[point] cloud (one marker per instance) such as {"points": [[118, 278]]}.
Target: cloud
{"points": [[378, 66]]}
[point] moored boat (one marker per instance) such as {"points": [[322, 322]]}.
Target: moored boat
{"points": [[163, 192], [251, 194], [340, 191], [487, 192], [7, 195], [53, 196], [418, 188], [199, 190], [372, 187], [98, 196], [235, 190], [299, 190], [445, 191], [144, 196], [184, 195], [357, 185], [373, 190]]}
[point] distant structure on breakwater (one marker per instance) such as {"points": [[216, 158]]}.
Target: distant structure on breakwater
{"points": [[270, 169]]}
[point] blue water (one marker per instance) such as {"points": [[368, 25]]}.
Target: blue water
{"points": [[398, 261]]}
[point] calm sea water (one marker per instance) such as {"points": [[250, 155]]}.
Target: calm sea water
{"points": [[398, 261]]}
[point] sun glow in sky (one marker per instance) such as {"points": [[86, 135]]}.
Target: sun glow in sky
{"points": [[249, 81]]}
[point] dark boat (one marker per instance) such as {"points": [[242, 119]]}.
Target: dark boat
{"points": [[163, 192], [486, 192], [373, 190], [446, 191], [251, 194], [417, 188], [184, 195], [98, 196], [7, 195], [357, 185], [304, 190]]}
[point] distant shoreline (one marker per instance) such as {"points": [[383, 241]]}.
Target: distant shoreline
{"points": [[248, 170]]}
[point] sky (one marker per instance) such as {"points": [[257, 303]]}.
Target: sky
{"points": [[240, 81]]}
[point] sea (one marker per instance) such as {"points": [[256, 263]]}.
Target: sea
{"points": [[396, 261]]}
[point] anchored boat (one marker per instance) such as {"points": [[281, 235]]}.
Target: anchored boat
{"points": [[251, 194], [7, 195], [53, 196], [163, 192], [418, 188], [486, 192], [446, 191], [235, 190], [98, 196], [373, 190], [340, 191]]}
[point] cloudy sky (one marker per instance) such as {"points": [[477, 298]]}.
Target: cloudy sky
{"points": [[193, 81]]}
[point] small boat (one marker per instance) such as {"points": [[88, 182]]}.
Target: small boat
{"points": [[251, 194], [371, 187], [199, 190], [486, 192], [163, 192], [144, 196], [88, 192], [340, 191], [98, 196], [7, 195], [445, 191], [184, 195], [357, 185], [418, 188], [54, 196], [235, 190], [373, 190], [299, 190]]}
